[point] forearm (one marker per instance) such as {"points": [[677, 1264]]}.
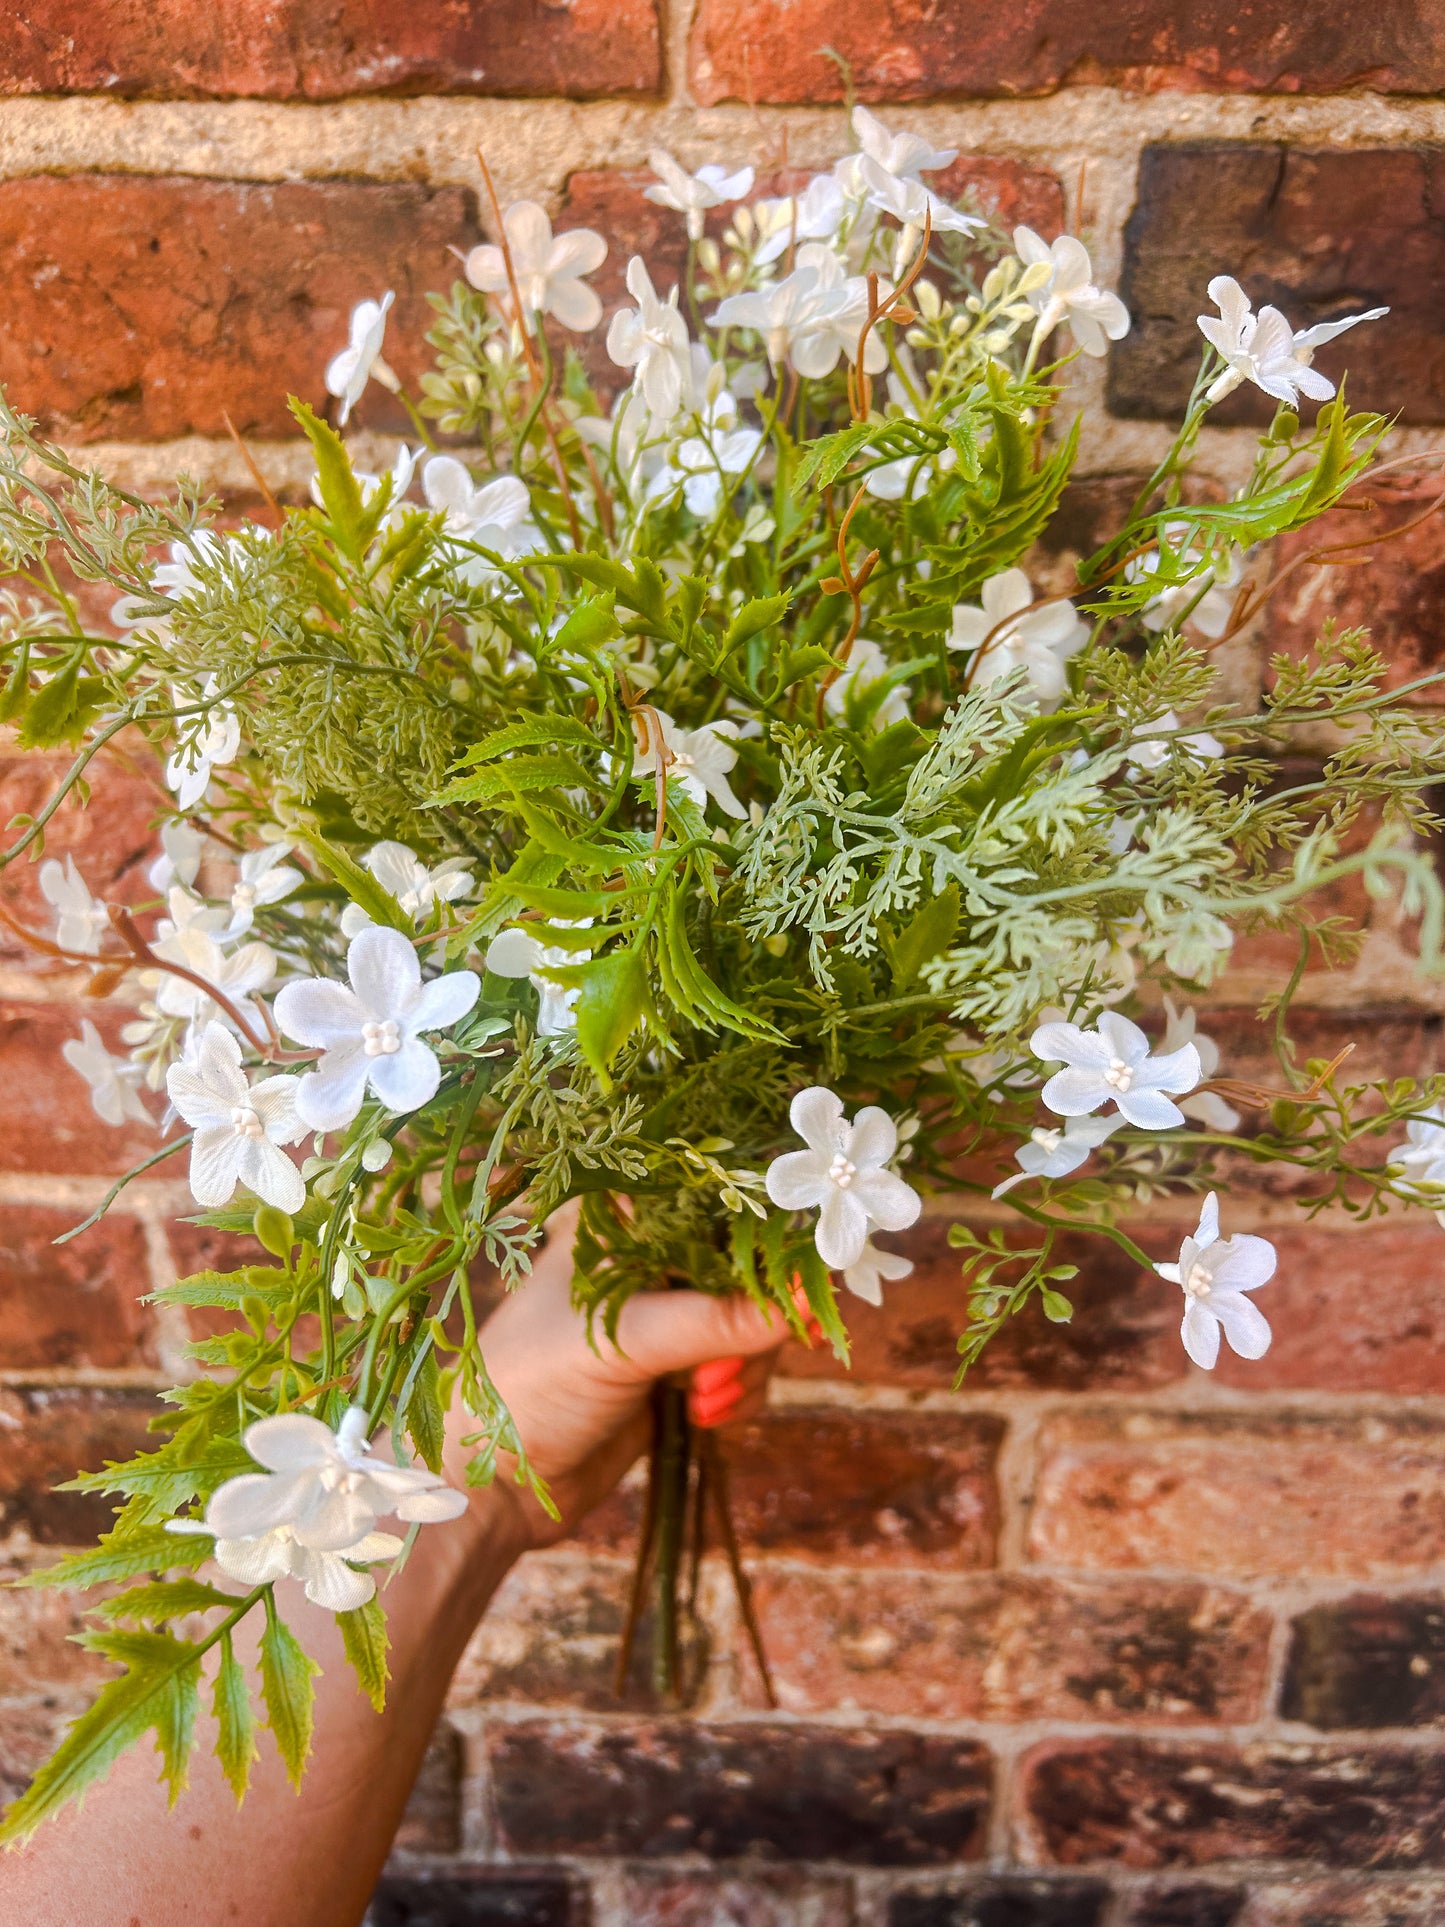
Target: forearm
{"points": [[285, 1856]]}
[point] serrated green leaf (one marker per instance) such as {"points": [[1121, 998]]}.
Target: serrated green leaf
{"points": [[287, 1672], [763, 612], [516, 775], [164, 1598], [423, 1414], [235, 1727], [360, 885], [526, 733], [121, 1555], [364, 1635], [340, 491]]}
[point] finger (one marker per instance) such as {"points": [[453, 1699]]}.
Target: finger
{"points": [[716, 1373], [671, 1331]]}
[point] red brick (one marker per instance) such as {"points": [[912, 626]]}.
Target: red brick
{"points": [[1011, 1647], [894, 50], [1349, 1900], [111, 840], [326, 49], [37, 1652], [146, 306], [1320, 233], [659, 1789], [1399, 597], [864, 1488], [1138, 1803], [48, 1122], [550, 1636], [77, 1304], [432, 1822], [1241, 1495], [49, 1436], [652, 1897], [29, 1731]]}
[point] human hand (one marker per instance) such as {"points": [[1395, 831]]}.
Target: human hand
{"points": [[583, 1413]]}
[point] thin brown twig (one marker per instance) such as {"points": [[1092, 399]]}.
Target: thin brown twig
{"points": [[249, 459], [711, 1456], [1259, 1097]]}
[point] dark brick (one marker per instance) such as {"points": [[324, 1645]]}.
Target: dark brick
{"points": [[550, 1636], [142, 306], [76, 1304], [1368, 1661], [432, 1822], [1018, 1902], [874, 1488], [1320, 233], [326, 49], [896, 50], [658, 1897], [51, 1435], [1143, 1803], [660, 1788], [1191, 1906], [478, 1897]]}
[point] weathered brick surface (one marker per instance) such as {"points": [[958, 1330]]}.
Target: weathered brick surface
{"points": [[1194, 1904], [1011, 1647], [1138, 1803], [1345, 1901], [37, 1654], [49, 1436], [75, 1305], [875, 1488], [550, 1637], [654, 1897], [432, 1822], [1320, 233], [479, 1897], [1015, 1901], [47, 1122], [1240, 1495], [751, 50], [1367, 1661], [661, 1788], [325, 49], [143, 307]]}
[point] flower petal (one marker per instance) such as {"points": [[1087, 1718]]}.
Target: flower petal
{"points": [[1074, 1093], [799, 1180], [514, 953], [1179, 1070], [289, 1442], [1200, 1332], [432, 1506], [215, 1164], [816, 1114], [404, 1080], [331, 1095], [255, 1562], [1244, 1263], [332, 1584], [384, 971], [1149, 1110], [1068, 1044], [271, 1174], [842, 1229], [1245, 1325], [1124, 1039], [445, 1000], [874, 1137], [317, 1012]]}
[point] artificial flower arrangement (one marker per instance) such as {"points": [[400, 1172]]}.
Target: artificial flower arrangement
{"points": [[683, 805]]}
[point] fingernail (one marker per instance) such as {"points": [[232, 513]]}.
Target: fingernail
{"points": [[716, 1373], [716, 1409]]}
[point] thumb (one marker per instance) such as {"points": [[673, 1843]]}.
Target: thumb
{"points": [[671, 1331]]}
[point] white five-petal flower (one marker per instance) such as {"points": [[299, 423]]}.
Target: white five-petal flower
{"points": [[368, 1033], [264, 877], [1055, 1151], [112, 1080], [694, 194], [810, 318], [329, 1578], [549, 270], [81, 920], [239, 1126], [904, 155], [699, 759], [1215, 1273], [495, 515], [1015, 635], [843, 1175], [517, 953], [1113, 1065], [1264, 349], [652, 339], [180, 857], [1069, 294], [209, 742], [238, 976], [814, 215], [350, 371], [865, 1276]]}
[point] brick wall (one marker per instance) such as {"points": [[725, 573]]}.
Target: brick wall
{"points": [[1104, 1641]]}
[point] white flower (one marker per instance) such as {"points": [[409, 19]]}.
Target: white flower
{"points": [[112, 1080], [809, 318], [694, 194], [350, 371], [1264, 349], [368, 1033], [1205, 598], [322, 1493], [81, 920], [1153, 755], [239, 1126], [1422, 1155], [265, 877], [1215, 1273], [1113, 1065], [864, 1277], [911, 203], [549, 271], [843, 1174], [417, 889], [814, 215], [495, 515], [1055, 1152], [904, 155], [517, 953], [699, 759], [1205, 1107], [190, 912], [211, 740], [1015, 635], [238, 976], [180, 857], [652, 338], [867, 665], [1069, 293], [705, 464]]}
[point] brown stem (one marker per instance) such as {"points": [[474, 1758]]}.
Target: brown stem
{"points": [[710, 1455], [249, 459], [642, 1568]]}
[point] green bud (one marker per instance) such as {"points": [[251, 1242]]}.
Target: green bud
{"points": [[274, 1230]]}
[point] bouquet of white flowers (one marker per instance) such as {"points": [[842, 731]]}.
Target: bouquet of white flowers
{"points": [[685, 805]]}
